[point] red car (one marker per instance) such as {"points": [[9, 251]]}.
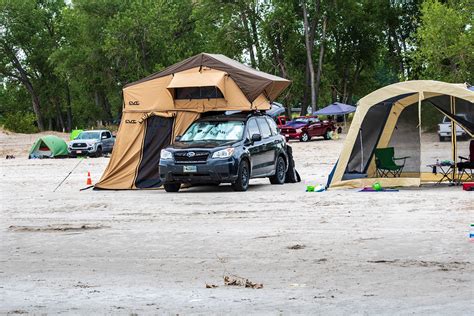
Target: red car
{"points": [[306, 127]]}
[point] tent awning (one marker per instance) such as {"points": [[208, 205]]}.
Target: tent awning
{"points": [[199, 79], [336, 108]]}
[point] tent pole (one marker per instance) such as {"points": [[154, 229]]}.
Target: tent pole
{"points": [[453, 134]]}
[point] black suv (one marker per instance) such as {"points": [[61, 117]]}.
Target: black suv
{"points": [[225, 149]]}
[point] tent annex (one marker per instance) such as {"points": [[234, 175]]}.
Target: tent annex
{"points": [[162, 106], [392, 117], [48, 146]]}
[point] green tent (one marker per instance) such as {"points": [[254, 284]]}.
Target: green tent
{"points": [[48, 146], [75, 133]]}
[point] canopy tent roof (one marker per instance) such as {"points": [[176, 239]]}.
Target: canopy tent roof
{"points": [[336, 108], [252, 82]]}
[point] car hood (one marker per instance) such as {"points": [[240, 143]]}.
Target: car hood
{"points": [[89, 142], [201, 144], [294, 125]]}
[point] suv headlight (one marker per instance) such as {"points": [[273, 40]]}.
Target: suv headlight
{"points": [[224, 153], [166, 155]]}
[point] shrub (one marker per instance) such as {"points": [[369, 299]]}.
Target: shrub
{"points": [[20, 122]]}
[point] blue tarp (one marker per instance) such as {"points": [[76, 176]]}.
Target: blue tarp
{"points": [[336, 109]]}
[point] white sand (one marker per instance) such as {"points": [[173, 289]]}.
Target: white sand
{"points": [[149, 252]]}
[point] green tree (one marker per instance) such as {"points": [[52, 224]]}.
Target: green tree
{"points": [[446, 40]]}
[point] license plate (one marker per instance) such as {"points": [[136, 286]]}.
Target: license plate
{"points": [[189, 169], [79, 151]]}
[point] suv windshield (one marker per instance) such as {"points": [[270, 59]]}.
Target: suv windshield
{"points": [[220, 131], [88, 135]]}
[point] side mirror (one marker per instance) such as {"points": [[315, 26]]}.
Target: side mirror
{"points": [[256, 137], [177, 138]]}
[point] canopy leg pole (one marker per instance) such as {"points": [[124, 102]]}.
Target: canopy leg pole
{"points": [[453, 135]]}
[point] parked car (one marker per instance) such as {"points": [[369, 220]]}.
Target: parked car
{"points": [[306, 127], [91, 143], [444, 128], [225, 149]]}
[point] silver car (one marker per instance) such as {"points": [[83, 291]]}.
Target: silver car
{"points": [[92, 143]]}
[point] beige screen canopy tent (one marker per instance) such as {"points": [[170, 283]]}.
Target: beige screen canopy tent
{"points": [[391, 117], [163, 105]]}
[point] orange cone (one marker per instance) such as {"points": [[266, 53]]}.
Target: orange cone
{"points": [[89, 180]]}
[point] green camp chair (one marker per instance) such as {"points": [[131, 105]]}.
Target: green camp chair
{"points": [[385, 163]]}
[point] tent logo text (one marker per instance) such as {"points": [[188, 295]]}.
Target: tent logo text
{"points": [[133, 102], [130, 121]]}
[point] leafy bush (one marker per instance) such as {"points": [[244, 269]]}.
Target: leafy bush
{"points": [[20, 122]]}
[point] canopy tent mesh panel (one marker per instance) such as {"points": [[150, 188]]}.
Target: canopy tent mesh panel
{"points": [[405, 140]]}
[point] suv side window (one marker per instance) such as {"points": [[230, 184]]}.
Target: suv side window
{"points": [[273, 126], [252, 127], [102, 135], [262, 123], [108, 134]]}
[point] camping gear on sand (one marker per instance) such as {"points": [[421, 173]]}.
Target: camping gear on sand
{"points": [[369, 189], [392, 117], [48, 146], [162, 106], [377, 186], [385, 162], [468, 186]]}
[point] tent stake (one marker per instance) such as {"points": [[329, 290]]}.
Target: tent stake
{"points": [[68, 174]]}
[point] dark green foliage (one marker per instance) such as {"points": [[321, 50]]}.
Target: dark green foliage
{"points": [[66, 62], [20, 122]]}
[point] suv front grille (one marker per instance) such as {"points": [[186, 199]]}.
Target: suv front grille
{"points": [[191, 156], [288, 130], [78, 145]]}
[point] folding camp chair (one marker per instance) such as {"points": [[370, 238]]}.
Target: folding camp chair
{"points": [[466, 165], [385, 163]]}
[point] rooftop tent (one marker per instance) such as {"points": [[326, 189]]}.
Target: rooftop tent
{"points": [[336, 108], [163, 105], [48, 146], [392, 117]]}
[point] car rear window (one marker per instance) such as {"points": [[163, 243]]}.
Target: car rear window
{"points": [[273, 126], [264, 128]]}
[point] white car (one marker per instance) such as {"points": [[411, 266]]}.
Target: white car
{"points": [[91, 143], [444, 128]]}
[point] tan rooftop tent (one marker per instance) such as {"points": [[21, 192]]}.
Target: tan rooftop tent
{"points": [[391, 117], [163, 105]]}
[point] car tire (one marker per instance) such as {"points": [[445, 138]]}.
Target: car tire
{"points": [[326, 135], [172, 187], [305, 137], [243, 177], [98, 152], [280, 172]]}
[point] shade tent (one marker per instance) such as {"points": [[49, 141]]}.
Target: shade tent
{"points": [[392, 117], [48, 146], [336, 108], [162, 106]]}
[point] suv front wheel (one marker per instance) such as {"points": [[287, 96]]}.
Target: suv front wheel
{"points": [[280, 172], [172, 187], [243, 177]]}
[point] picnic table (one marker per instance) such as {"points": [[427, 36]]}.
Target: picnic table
{"points": [[445, 168]]}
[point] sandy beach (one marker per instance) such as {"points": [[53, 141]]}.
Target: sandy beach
{"points": [[152, 252]]}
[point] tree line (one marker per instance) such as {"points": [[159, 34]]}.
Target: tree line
{"points": [[64, 63]]}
